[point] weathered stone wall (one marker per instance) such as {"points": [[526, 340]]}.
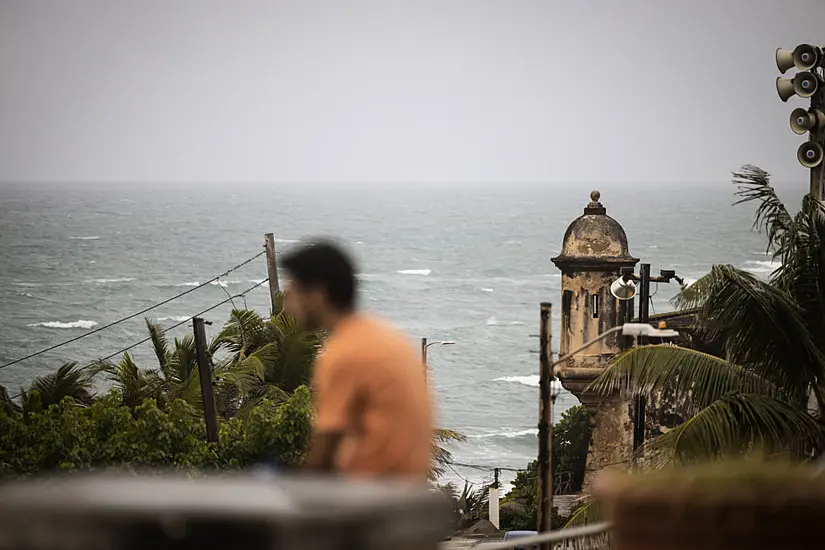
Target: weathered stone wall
{"points": [[611, 440]]}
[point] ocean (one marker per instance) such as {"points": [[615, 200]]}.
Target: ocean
{"points": [[466, 263]]}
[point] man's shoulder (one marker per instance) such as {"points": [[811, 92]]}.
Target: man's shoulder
{"points": [[369, 331]]}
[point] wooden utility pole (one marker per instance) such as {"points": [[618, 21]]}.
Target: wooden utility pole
{"points": [[205, 371], [424, 351], [272, 272], [545, 458], [639, 413]]}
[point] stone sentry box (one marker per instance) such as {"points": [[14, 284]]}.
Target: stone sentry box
{"points": [[593, 252]]}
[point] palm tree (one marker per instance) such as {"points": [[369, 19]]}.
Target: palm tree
{"points": [[132, 383], [265, 359], [178, 365], [442, 457], [67, 381], [772, 333]]}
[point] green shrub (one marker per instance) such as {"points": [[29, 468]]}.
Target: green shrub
{"points": [[106, 434]]}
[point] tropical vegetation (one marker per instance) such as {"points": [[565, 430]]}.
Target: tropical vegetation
{"points": [[571, 437], [765, 393], [153, 417], [518, 508]]}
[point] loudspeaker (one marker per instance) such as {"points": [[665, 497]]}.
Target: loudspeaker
{"points": [[784, 60], [806, 57], [805, 84], [623, 290], [785, 88], [810, 154], [803, 121]]}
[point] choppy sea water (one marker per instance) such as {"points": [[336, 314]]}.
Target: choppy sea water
{"points": [[463, 263]]}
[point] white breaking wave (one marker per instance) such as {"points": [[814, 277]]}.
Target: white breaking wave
{"points": [[224, 284], [286, 241], [492, 321], [92, 238], [508, 435], [531, 380], [177, 319], [424, 272], [108, 281], [487, 290], [59, 324]]}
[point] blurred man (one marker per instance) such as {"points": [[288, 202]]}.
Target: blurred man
{"points": [[373, 415]]}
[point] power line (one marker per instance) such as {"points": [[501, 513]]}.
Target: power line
{"points": [[464, 478], [164, 331], [487, 468], [133, 315]]}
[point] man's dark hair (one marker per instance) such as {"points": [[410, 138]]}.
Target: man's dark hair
{"points": [[324, 264]]}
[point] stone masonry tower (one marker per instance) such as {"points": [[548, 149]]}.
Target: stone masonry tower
{"points": [[594, 250]]}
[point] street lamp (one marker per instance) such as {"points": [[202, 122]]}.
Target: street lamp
{"points": [[547, 375], [627, 329], [625, 288], [426, 345]]}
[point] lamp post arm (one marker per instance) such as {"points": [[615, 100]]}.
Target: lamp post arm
{"points": [[586, 345]]}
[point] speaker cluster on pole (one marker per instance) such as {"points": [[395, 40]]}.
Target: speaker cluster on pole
{"points": [[808, 83]]}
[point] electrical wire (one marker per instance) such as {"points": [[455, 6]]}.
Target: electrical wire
{"points": [[472, 483], [133, 315], [164, 331]]}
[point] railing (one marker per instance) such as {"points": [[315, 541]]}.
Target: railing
{"points": [[589, 537]]}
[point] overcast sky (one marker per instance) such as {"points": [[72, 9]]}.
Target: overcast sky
{"points": [[389, 91]]}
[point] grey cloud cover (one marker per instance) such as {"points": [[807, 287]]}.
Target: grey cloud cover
{"points": [[388, 91]]}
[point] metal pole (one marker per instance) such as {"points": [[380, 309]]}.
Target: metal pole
{"points": [[205, 371], [424, 347], [644, 317], [545, 455], [272, 273], [818, 172]]}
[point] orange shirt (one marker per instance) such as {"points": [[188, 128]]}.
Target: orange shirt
{"points": [[370, 385]]}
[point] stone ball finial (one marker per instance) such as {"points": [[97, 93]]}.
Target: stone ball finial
{"points": [[595, 196]]}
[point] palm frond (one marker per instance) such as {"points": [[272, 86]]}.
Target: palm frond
{"points": [[588, 513], [160, 344], [244, 332], [694, 296], [67, 381], [802, 272], [733, 425], [772, 218], [698, 379], [133, 383], [245, 375], [270, 393], [295, 352], [761, 327], [446, 435], [442, 457]]}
